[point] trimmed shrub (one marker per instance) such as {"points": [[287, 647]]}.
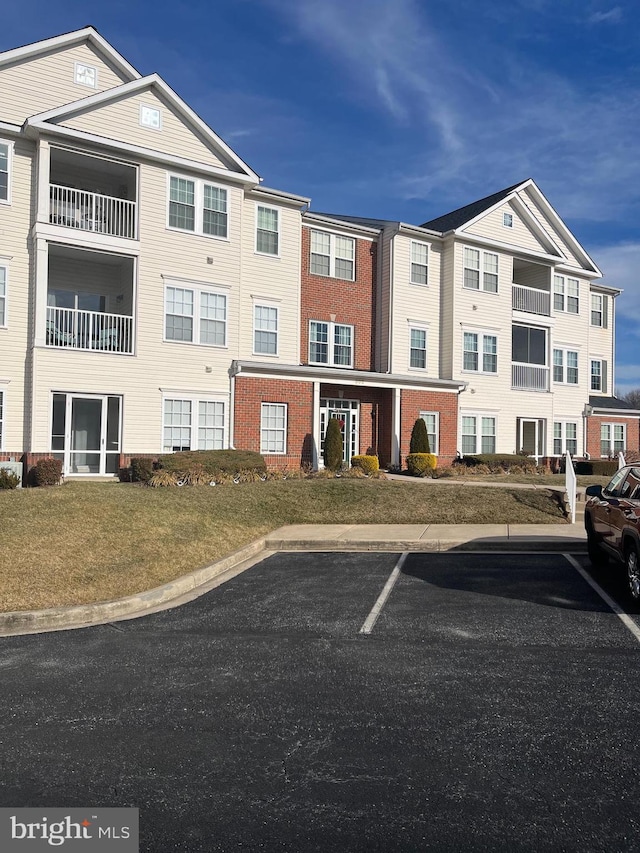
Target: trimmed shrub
{"points": [[213, 461], [497, 462], [8, 480], [366, 463], [421, 464], [47, 472], [419, 438], [141, 469], [333, 445], [597, 467]]}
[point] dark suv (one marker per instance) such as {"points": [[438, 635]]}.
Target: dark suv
{"points": [[612, 522]]}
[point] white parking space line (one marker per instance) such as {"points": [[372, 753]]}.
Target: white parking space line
{"points": [[376, 610], [624, 617]]}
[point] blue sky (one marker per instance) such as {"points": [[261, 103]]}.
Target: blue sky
{"points": [[406, 109]]}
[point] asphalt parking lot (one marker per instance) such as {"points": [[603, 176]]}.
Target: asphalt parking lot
{"points": [[338, 702]]}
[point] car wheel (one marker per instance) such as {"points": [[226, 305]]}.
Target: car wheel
{"points": [[596, 554], [633, 571]]}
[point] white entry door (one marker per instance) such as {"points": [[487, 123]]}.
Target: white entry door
{"points": [[86, 433], [347, 412]]}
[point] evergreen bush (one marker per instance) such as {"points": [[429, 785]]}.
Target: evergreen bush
{"points": [[333, 445], [8, 480], [141, 469], [421, 464], [366, 462], [419, 438], [46, 472]]}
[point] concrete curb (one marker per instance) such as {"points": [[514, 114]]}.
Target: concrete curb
{"points": [[175, 592], [433, 545]]}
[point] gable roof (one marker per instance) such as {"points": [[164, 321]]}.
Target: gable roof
{"points": [[88, 34], [458, 218], [153, 81]]}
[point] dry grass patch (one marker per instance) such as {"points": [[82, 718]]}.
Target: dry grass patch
{"points": [[87, 542]]}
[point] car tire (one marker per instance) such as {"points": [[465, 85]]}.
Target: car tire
{"points": [[596, 554], [632, 564]]}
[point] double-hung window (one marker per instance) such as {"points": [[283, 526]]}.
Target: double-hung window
{"points": [[432, 421], [273, 428], [418, 348], [480, 270], [332, 255], [566, 294], [5, 171], [598, 375], [198, 207], [419, 263], [265, 330], [565, 438], [3, 296], [565, 366], [480, 352], [599, 310], [195, 316], [192, 424], [612, 439], [330, 343], [267, 230], [478, 434]]}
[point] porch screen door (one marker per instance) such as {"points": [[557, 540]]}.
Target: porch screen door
{"points": [[86, 435]]}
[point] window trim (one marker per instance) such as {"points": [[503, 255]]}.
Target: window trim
{"points": [[197, 290], [563, 281], [563, 437], [417, 327], [602, 311], [434, 449], [278, 210], [612, 451], [506, 215], [9, 144], [145, 124], [195, 400], [565, 366], [602, 375], [479, 415], [481, 270], [426, 265], [481, 334], [266, 304], [331, 343], [77, 82], [332, 254], [198, 203], [285, 429]]}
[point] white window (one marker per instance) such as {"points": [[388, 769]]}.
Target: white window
{"points": [[5, 171], [330, 343], [480, 352], [418, 348], [86, 75], [267, 230], [612, 439], [419, 263], [332, 255], [598, 375], [507, 220], [478, 434], [198, 207], [192, 424], [565, 366], [265, 330], [475, 277], [195, 316], [150, 117], [3, 296], [565, 438], [273, 428], [432, 420], [566, 294], [599, 310]]}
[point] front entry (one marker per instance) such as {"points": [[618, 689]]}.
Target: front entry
{"points": [[348, 413], [85, 433], [531, 436]]}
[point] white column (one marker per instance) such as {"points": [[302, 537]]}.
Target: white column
{"points": [[44, 171], [395, 438], [316, 426], [41, 285]]}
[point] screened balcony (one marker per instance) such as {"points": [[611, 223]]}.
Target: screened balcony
{"points": [[529, 365], [89, 301], [92, 194], [531, 290]]}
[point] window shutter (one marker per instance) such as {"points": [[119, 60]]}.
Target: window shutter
{"points": [[605, 318], [604, 377]]}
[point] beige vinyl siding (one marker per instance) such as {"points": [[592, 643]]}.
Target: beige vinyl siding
{"points": [[120, 120], [447, 303], [386, 244], [548, 227], [15, 356], [415, 306], [38, 84], [491, 227]]}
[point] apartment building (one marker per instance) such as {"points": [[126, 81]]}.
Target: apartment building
{"points": [[155, 296]]}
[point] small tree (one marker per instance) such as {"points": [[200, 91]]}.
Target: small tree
{"points": [[333, 445], [419, 438]]}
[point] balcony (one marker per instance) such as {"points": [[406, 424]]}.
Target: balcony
{"points": [[532, 300], [94, 331], [529, 377], [90, 211]]}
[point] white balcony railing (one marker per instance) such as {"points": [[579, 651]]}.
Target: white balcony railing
{"points": [[89, 330], [92, 212], [529, 377], [531, 299]]}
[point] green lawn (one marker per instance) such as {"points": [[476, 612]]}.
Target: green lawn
{"points": [[86, 542]]}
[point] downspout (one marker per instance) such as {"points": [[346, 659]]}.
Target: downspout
{"points": [[232, 407]]}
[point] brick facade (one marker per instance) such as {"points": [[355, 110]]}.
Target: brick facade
{"points": [[593, 433], [351, 302], [414, 402], [375, 417]]}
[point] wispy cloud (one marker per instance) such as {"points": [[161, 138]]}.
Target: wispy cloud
{"points": [[610, 16]]}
